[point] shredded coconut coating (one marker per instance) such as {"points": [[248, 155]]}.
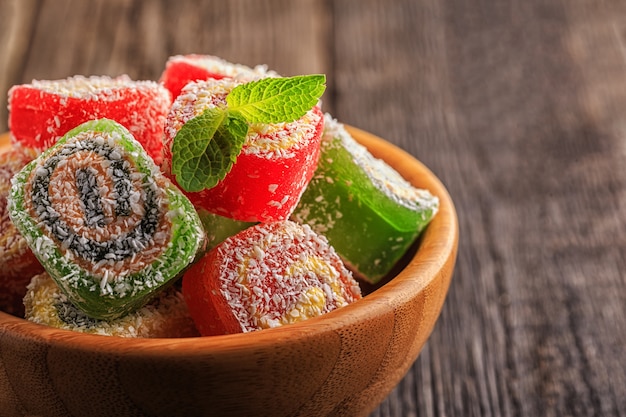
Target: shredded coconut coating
{"points": [[41, 112], [385, 178], [17, 260], [94, 87], [219, 66], [277, 140], [166, 316], [271, 275], [103, 220]]}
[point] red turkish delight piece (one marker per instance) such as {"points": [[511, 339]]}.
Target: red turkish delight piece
{"points": [[182, 69], [40, 113], [275, 165], [266, 276]]}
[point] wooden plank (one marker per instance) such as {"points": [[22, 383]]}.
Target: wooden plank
{"points": [[113, 37], [493, 97], [546, 157], [17, 20], [137, 37]]}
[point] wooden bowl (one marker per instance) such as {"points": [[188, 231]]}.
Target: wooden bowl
{"points": [[341, 364]]}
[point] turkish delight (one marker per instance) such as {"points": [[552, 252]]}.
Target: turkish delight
{"points": [[107, 226], [165, 316], [18, 264], [218, 228], [366, 210], [275, 165], [183, 69], [268, 275], [43, 111]]}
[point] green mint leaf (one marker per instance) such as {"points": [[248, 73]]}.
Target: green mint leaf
{"points": [[276, 100], [206, 147]]}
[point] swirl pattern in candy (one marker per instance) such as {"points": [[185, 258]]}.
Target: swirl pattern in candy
{"points": [[102, 210], [107, 226]]}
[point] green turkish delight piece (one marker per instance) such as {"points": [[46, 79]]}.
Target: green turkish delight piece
{"points": [[366, 210]]}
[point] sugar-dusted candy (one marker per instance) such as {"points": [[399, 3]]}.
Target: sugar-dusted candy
{"points": [[107, 226], [266, 276], [183, 69], [368, 212], [165, 316], [17, 260], [43, 111], [275, 165]]}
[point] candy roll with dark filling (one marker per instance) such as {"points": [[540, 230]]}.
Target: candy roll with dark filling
{"points": [[107, 226], [164, 316]]}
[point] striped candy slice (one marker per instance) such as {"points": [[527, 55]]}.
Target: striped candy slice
{"points": [[108, 227], [266, 276], [165, 316]]}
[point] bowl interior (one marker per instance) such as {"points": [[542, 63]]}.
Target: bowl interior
{"points": [[356, 354]]}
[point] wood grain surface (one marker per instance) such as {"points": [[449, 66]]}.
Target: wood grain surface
{"points": [[518, 106], [343, 363]]}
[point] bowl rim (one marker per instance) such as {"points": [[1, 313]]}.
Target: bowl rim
{"points": [[437, 250]]}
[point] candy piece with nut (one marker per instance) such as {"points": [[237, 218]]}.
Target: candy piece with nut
{"points": [[271, 167], [17, 260], [107, 226], [164, 316], [43, 111], [183, 69], [368, 212], [266, 276]]}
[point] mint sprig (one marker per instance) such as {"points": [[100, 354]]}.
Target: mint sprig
{"points": [[276, 100], [206, 147]]}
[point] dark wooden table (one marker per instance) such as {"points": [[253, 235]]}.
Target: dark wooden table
{"points": [[519, 106]]}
